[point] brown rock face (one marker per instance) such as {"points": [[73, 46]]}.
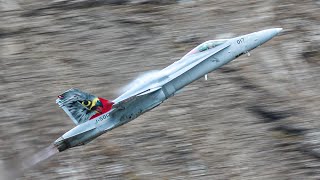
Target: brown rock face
{"points": [[255, 118]]}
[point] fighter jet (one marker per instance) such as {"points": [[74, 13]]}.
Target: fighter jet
{"points": [[95, 116]]}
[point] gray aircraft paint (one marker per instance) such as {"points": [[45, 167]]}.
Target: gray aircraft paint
{"points": [[160, 85]]}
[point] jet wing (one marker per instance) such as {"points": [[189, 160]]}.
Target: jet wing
{"points": [[192, 62], [126, 101]]}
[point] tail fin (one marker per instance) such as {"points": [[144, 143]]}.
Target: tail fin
{"points": [[81, 106]]}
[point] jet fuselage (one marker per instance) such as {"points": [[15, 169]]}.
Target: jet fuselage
{"points": [[153, 89]]}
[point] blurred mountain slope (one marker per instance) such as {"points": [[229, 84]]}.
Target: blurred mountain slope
{"points": [[255, 118]]}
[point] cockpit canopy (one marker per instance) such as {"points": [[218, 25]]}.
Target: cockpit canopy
{"points": [[206, 46]]}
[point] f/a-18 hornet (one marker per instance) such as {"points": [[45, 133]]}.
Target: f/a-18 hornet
{"points": [[94, 116]]}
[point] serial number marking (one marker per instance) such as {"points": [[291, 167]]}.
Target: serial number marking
{"points": [[239, 41], [102, 117]]}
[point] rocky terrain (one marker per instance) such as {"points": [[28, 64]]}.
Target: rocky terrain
{"points": [[255, 118]]}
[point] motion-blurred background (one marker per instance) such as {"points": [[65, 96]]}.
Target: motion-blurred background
{"points": [[255, 118]]}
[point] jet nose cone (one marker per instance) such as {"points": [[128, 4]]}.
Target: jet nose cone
{"points": [[266, 35], [278, 30], [273, 31]]}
